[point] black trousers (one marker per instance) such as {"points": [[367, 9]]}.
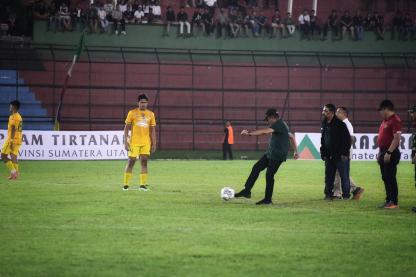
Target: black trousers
{"points": [[331, 167], [388, 174], [264, 163], [226, 149]]}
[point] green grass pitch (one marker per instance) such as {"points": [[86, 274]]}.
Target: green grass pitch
{"points": [[73, 219]]}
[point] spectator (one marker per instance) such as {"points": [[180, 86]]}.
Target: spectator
{"points": [[102, 17], [346, 24], [227, 141], [234, 23], [129, 15], [221, 22], [388, 158], [408, 27], [370, 22], [397, 26], [211, 4], [335, 151], [139, 15], [123, 6], [79, 17], [331, 24], [93, 18], [157, 11], [358, 22], [412, 113], [118, 21], [150, 16], [379, 26], [315, 28], [183, 21], [255, 28], [207, 20], [197, 20], [277, 24], [170, 19], [289, 24], [304, 21], [261, 21], [64, 17], [109, 7]]}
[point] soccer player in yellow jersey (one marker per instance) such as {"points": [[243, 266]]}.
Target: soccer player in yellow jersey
{"points": [[13, 141], [141, 124]]}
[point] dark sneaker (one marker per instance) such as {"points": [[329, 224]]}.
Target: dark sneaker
{"points": [[144, 188], [346, 198], [328, 198], [243, 193], [356, 194], [264, 202], [125, 188], [414, 209], [391, 206], [336, 197]]}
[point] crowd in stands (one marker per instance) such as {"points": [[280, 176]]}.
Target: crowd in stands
{"points": [[219, 18], [243, 20], [97, 16]]}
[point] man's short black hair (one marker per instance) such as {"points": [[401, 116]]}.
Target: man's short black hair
{"points": [[386, 105], [142, 96], [15, 104], [330, 107], [344, 109]]}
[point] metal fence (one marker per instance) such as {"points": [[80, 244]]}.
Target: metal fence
{"points": [[194, 91]]}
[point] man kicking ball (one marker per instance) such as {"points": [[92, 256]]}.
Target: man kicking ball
{"points": [[276, 154]]}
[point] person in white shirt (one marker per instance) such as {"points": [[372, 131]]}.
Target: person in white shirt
{"points": [[139, 15], [342, 114], [102, 16], [304, 22], [157, 11]]}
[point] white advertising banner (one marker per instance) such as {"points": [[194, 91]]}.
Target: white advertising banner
{"points": [[364, 149], [66, 145]]}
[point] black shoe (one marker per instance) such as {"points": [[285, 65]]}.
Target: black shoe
{"points": [[243, 193], [414, 209], [125, 187], [328, 198], [336, 197], [144, 188], [264, 202]]}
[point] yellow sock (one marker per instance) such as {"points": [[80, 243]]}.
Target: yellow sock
{"points": [[10, 166], [16, 167], [143, 179], [127, 177]]}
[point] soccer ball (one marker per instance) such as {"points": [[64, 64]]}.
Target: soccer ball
{"points": [[227, 193]]}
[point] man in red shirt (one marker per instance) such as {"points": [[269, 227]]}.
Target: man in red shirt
{"points": [[389, 156]]}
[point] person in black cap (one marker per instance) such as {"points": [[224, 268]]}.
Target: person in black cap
{"points": [[335, 151], [412, 112], [276, 154], [388, 158]]}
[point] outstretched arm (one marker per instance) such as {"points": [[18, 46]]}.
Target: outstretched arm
{"points": [[260, 132]]}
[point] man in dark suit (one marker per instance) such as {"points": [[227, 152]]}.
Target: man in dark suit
{"points": [[335, 151]]}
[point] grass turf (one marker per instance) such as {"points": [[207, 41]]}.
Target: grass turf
{"points": [[73, 219]]}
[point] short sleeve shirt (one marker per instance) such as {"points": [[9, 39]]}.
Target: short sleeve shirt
{"points": [[140, 122], [388, 128], [279, 141]]}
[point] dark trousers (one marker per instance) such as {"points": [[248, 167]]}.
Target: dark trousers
{"points": [[272, 167], [331, 167], [119, 23], [334, 30], [388, 174], [226, 149]]}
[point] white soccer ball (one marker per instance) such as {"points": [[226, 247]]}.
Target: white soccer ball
{"points": [[227, 193]]}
